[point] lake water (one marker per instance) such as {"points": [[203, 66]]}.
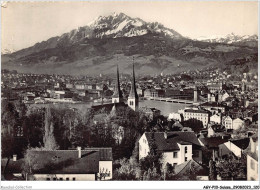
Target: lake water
{"points": [[164, 107]]}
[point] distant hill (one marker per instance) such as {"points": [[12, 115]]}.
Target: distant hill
{"points": [[115, 39]]}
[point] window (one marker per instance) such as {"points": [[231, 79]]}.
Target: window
{"points": [[175, 154], [186, 159], [73, 178], [48, 179], [54, 179], [61, 179], [252, 163], [67, 179], [185, 149]]}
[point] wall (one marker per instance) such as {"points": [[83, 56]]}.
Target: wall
{"points": [[143, 147], [78, 177], [203, 117], [106, 166], [232, 147], [168, 158], [197, 158], [252, 172], [211, 132], [216, 119], [183, 154], [175, 116], [228, 123]]}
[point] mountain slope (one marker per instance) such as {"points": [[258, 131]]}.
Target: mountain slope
{"points": [[114, 39], [111, 26]]}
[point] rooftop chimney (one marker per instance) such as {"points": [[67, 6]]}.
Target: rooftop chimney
{"points": [[79, 151], [14, 157], [165, 135]]}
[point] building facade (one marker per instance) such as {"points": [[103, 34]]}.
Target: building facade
{"points": [[201, 115], [176, 147]]}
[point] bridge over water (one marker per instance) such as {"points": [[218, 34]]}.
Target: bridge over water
{"points": [[172, 100]]}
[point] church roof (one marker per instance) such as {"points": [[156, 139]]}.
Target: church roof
{"points": [[108, 107]]}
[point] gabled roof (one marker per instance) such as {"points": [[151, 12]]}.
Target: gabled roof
{"points": [[241, 143], [177, 124], [173, 138], [64, 161], [213, 142], [217, 127], [190, 166], [224, 150], [12, 167]]}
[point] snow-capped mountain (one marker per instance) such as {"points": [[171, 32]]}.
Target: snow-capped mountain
{"points": [[7, 51], [229, 39], [96, 47], [118, 25]]}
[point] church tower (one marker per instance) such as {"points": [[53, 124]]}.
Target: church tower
{"points": [[117, 96], [195, 96], [133, 97]]}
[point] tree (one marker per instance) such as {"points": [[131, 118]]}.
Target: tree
{"points": [[194, 124], [49, 139], [212, 170], [31, 163], [129, 169], [168, 172], [153, 159], [232, 167], [9, 120], [151, 174]]}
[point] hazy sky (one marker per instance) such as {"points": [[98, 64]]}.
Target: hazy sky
{"points": [[26, 23]]}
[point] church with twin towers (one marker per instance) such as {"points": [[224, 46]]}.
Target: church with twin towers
{"points": [[132, 100]]}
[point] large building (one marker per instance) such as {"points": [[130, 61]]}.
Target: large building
{"points": [[176, 147], [201, 115], [64, 165]]}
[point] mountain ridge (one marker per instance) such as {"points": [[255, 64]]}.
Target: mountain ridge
{"points": [[93, 49], [249, 40]]}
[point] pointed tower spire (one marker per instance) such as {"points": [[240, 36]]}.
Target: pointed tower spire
{"points": [[117, 96], [133, 97], [133, 92]]}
